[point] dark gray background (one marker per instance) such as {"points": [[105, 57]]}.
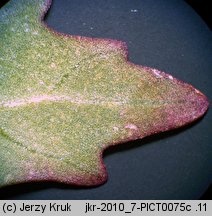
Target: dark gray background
{"points": [[167, 35]]}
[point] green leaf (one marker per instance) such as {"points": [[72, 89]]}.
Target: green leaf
{"points": [[64, 99]]}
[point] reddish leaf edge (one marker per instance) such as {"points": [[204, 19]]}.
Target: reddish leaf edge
{"points": [[102, 178]]}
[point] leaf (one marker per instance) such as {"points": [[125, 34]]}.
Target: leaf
{"points": [[64, 99]]}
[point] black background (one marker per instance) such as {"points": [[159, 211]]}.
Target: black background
{"points": [[172, 37]]}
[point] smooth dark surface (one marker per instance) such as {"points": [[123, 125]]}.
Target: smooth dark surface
{"points": [[202, 8], [167, 35]]}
